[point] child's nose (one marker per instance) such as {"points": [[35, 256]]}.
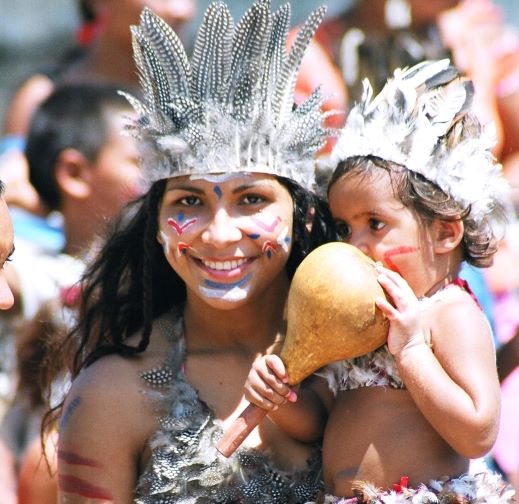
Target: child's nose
{"points": [[222, 230]]}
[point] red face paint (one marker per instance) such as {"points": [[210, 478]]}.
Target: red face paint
{"points": [[396, 251], [75, 459], [267, 227], [78, 486], [269, 247], [180, 228], [181, 247]]}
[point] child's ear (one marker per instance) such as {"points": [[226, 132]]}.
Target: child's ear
{"points": [[447, 235], [74, 174]]}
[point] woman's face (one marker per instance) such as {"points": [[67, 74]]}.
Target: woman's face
{"points": [[227, 236], [6, 249]]}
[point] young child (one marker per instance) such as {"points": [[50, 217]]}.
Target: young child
{"points": [[416, 189]]}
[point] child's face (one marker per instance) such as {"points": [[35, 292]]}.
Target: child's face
{"points": [[116, 174], [368, 216], [227, 236]]}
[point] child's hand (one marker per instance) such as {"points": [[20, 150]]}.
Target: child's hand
{"points": [[405, 330], [266, 385]]}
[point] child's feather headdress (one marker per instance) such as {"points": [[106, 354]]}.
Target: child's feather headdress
{"points": [[230, 108], [416, 122]]}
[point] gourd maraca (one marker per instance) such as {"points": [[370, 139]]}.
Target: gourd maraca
{"points": [[331, 316]]}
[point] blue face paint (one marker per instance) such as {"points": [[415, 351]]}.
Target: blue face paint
{"points": [[226, 286], [254, 236], [180, 216], [218, 191]]}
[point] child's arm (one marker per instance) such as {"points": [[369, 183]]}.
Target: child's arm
{"points": [[453, 383], [301, 414]]}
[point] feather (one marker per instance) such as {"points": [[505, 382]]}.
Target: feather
{"points": [[248, 45], [211, 55], [168, 50], [231, 107], [275, 53], [421, 119], [285, 85]]}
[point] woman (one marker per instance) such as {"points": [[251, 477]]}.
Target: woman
{"points": [[191, 288]]}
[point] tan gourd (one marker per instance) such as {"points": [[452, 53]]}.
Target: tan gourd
{"points": [[331, 315], [331, 312]]}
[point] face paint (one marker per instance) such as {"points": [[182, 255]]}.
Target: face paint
{"points": [[397, 251], [268, 248], [284, 240], [226, 291], [75, 459], [182, 247], [266, 227], [77, 486], [180, 228], [218, 191], [69, 412]]}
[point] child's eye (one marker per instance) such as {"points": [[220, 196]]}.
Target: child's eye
{"points": [[376, 224], [343, 230], [190, 201], [252, 199]]}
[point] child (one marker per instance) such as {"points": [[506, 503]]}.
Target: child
{"points": [[415, 188]]}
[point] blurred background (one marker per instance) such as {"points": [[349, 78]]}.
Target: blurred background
{"points": [[35, 33]]}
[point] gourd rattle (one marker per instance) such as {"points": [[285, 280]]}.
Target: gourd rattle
{"points": [[331, 316]]}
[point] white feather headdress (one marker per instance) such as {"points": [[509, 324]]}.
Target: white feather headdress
{"points": [[412, 122], [231, 108]]}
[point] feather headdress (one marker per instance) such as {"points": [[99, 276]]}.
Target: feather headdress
{"points": [[231, 107], [416, 122]]}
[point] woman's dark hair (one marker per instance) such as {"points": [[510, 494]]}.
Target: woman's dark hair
{"points": [[427, 201], [131, 282]]}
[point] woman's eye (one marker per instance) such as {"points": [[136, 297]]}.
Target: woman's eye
{"points": [[190, 201], [343, 230], [252, 199]]}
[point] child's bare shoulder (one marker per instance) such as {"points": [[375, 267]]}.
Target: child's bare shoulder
{"points": [[455, 314]]}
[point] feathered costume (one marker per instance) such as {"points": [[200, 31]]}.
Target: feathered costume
{"points": [[186, 468], [416, 121], [230, 109]]}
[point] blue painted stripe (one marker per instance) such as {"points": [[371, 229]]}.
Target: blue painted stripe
{"points": [[226, 286]]}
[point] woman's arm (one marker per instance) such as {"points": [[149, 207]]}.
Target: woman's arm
{"points": [[104, 426]]}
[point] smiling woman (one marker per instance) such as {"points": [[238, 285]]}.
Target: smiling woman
{"points": [[192, 284]]}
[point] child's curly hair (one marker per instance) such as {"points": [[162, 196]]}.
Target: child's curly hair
{"points": [[428, 201]]}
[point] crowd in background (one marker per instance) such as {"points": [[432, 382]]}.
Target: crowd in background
{"points": [[56, 55]]}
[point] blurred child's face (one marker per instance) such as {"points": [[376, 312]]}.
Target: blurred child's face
{"points": [[6, 249], [115, 171], [368, 216], [227, 236], [118, 15]]}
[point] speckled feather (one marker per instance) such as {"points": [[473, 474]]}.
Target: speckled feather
{"points": [[232, 108]]}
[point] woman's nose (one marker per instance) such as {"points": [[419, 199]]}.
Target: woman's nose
{"points": [[6, 295], [222, 230]]}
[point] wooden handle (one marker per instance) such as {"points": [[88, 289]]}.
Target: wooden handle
{"points": [[234, 436]]}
